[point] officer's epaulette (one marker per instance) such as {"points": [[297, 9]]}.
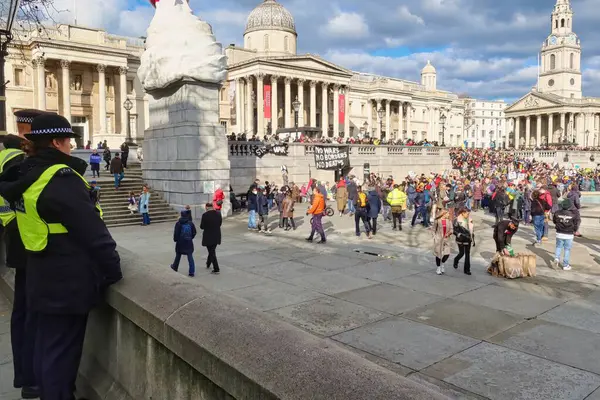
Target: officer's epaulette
{"points": [[66, 171]]}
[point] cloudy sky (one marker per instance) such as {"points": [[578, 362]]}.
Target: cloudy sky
{"points": [[486, 48]]}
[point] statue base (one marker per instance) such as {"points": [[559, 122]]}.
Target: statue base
{"points": [[186, 154]]}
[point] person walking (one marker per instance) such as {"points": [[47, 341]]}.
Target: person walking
{"points": [[374, 209], [107, 156], [463, 230], [574, 196], [183, 236], [500, 199], [565, 222], [145, 206], [362, 208], [442, 230], [527, 204], [477, 195], [539, 208], [316, 210], [71, 256], [95, 161], [352, 195], [263, 211], [211, 235], [116, 168], [397, 199], [252, 208], [420, 207], [218, 198], [287, 207], [341, 197], [124, 154]]}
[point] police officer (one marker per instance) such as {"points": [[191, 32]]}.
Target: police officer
{"points": [[22, 323], [71, 256]]}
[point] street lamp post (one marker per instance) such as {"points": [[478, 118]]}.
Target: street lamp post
{"points": [[443, 123], [366, 129], [128, 105], [7, 19], [296, 104], [380, 113]]}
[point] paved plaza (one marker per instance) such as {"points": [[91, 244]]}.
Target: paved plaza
{"points": [[471, 337]]}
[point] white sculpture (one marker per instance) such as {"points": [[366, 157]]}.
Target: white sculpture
{"points": [[179, 47]]}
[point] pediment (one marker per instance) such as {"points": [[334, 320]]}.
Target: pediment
{"points": [[309, 62], [531, 102]]}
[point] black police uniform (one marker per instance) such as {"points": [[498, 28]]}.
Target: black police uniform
{"points": [[67, 279]]}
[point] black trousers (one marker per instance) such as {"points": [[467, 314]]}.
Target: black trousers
{"points": [[58, 348], [23, 325], [397, 216], [464, 250], [373, 222], [212, 257], [289, 221], [439, 261], [358, 216]]}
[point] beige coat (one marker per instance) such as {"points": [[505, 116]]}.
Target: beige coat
{"points": [[341, 197], [441, 244]]}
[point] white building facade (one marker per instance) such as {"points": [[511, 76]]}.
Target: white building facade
{"points": [[555, 111], [84, 74], [485, 125], [266, 78]]}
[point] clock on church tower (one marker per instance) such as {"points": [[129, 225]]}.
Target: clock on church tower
{"points": [[560, 68]]}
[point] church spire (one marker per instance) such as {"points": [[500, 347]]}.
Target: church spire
{"points": [[562, 18]]}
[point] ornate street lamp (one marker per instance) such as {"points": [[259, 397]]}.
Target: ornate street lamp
{"points": [[128, 105], [366, 128], [443, 122], [296, 104], [380, 113], [8, 14]]}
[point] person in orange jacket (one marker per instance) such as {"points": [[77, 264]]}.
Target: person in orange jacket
{"points": [[316, 210]]}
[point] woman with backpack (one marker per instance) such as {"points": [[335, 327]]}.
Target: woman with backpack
{"points": [[183, 236]]}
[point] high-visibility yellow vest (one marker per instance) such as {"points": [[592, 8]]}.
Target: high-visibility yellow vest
{"points": [[6, 214], [33, 229], [397, 198]]}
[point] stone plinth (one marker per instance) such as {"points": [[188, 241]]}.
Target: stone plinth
{"points": [[185, 147]]}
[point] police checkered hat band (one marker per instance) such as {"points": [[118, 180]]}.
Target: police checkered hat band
{"points": [[50, 126], [28, 115], [24, 120], [51, 131]]}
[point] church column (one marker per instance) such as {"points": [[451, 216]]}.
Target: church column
{"points": [[408, 120], [336, 111], [249, 107], [238, 105], [369, 117], [517, 132], [301, 100], [66, 89], [274, 105], [550, 128], [379, 120], [102, 98], [538, 127], [324, 109], [260, 105], [41, 83], [527, 131], [596, 129], [388, 127], [122, 97], [288, 102], [313, 103], [562, 125], [347, 106], [400, 112]]}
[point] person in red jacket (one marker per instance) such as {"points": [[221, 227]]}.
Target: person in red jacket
{"points": [[218, 198]]}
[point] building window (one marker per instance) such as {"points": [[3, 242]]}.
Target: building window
{"points": [[552, 61], [19, 81], [77, 82], [492, 113], [572, 61], [223, 94], [483, 133], [572, 81], [562, 23], [286, 44], [224, 124], [130, 87], [551, 82], [266, 42], [556, 24]]}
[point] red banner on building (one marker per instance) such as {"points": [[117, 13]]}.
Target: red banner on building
{"points": [[267, 99], [342, 107]]}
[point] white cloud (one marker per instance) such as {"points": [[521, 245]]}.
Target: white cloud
{"points": [[405, 15], [347, 25]]}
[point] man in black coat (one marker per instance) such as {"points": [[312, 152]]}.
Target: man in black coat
{"points": [[73, 266], [504, 232], [211, 237]]}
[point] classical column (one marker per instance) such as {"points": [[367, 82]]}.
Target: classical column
{"points": [[408, 119], [527, 131], [400, 124], [301, 100], [369, 117], [238, 105], [563, 116], [325, 109], [347, 106], [336, 111], [388, 127], [260, 105], [41, 83], [101, 98], [379, 119], [122, 98], [313, 103], [288, 102], [249, 108], [517, 132], [66, 89], [550, 137], [538, 127], [274, 105]]}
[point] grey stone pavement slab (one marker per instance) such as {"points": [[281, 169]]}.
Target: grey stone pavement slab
{"points": [[406, 342], [594, 396], [436, 320], [499, 373], [7, 392]]}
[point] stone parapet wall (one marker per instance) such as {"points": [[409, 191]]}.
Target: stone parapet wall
{"points": [[160, 336]]}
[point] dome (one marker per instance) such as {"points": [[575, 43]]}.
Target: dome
{"points": [[428, 69], [270, 15]]}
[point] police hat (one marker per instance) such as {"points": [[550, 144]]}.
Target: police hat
{"points": [[50, 126], [27, 116]]}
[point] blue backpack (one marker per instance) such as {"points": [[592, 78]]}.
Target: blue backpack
{"points": [[186, 232]]}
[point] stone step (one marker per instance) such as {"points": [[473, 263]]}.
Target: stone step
{"points": [[166, 215], [139, 222]]}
